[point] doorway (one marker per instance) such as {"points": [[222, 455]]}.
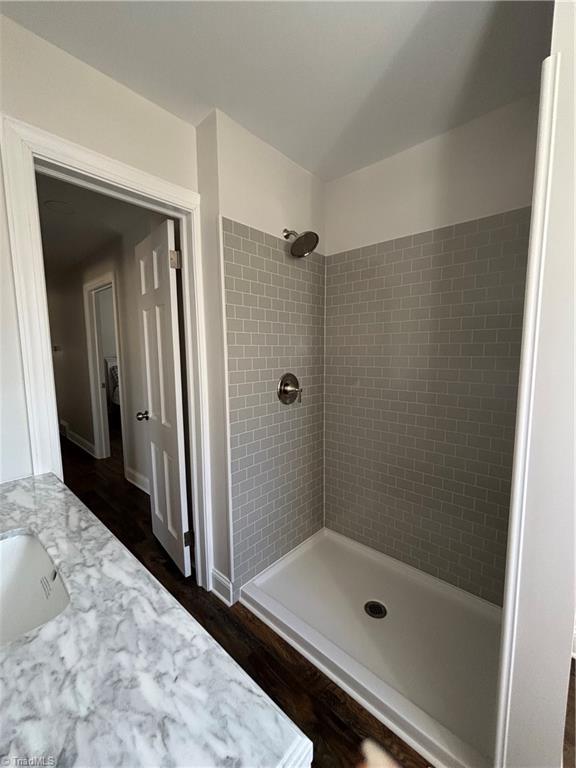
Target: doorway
{"points": [[114, 308], [103, 364], [27, 150]]}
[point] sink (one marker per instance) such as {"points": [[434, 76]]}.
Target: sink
{"points": [[31, 589]]}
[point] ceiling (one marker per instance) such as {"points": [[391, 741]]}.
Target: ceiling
{"points": [[82, 222], [333, 85]]}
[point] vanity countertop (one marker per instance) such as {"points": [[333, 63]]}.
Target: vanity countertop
{"points": [[124, 676]]}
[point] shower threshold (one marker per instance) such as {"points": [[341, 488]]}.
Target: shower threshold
{"points": [[426, 665]]}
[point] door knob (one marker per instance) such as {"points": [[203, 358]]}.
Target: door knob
{"points": [[142, 415]]}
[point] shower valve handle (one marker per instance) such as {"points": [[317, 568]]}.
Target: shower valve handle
{"points": [[289, 389], [298, 391]]}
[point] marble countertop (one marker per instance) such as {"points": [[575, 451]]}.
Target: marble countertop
{"points": [[124, 676]]}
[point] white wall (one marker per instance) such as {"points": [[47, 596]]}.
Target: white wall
{"points": [[540, 601], [478, 169], [261, 187], [42, 85], [15, 459]]}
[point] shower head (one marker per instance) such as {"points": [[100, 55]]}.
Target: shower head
{"points": [[303, 243]]}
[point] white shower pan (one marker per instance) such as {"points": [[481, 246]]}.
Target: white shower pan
{"points": [[428, 669]]}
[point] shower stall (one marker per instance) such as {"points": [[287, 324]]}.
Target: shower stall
{"points": [[370, 504], [381, 497]]}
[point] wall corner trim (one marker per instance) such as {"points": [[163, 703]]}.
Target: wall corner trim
{"points": [[222, 587], [516, 557]]}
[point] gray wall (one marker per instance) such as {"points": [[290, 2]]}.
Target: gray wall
{"points": [[422, 357], [275, 323], [105, 318]]}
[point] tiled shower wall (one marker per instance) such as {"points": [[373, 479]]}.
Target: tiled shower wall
{"points": [[422, 357], [275, 324], [407, 419]]}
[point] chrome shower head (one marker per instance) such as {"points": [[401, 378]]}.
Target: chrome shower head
{"points": [[303, 243]]}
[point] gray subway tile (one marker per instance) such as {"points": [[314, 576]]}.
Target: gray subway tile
{"points": [[406, 425]]}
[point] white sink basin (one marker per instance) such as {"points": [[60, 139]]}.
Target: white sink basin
{"points": [[31, 589]]}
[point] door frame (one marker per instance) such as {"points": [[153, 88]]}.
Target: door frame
{"points": [[96, 363], [540, 552], [27, 150]]}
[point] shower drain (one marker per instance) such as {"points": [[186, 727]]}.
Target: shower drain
{"points": [[375, 609]]}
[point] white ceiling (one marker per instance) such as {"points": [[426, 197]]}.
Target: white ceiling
{"points": [[333, 85], [86, 224]]}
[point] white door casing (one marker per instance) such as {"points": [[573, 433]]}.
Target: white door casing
{"points": [[27, 149], [538, 616], [163, 422]]}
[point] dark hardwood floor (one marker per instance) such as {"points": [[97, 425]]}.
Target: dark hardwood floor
{"points": [[325, 713]]}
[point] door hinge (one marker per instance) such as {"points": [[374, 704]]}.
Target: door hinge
{"points": [[175, 260], [188, 539]]}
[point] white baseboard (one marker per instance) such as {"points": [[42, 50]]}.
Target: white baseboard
{"points": [[80, 441], [137, 479], [222, 587]]}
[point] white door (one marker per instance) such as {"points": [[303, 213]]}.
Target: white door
{"points": [[161, 419]]}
